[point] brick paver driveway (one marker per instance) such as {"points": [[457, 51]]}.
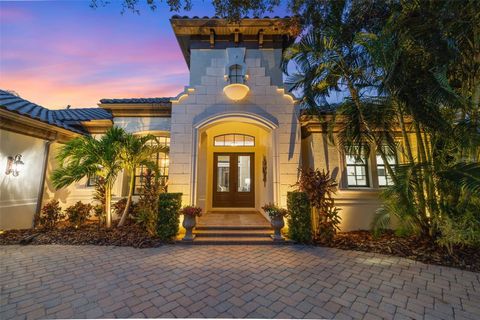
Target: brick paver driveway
{"points": [[223, 281]]}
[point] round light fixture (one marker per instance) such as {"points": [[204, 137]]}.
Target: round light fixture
{"points": [[236, 91]]}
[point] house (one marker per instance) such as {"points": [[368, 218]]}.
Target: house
{"points": [[236, 135]]}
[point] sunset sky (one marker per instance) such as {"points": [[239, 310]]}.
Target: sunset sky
{"points": [[65, 53]]}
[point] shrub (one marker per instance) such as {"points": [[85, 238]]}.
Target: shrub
{"points": [[51, 214], [169, 205], [320, 187], [120, 205], [145, 212], [299, 219], [78, 213], [99, 212]]}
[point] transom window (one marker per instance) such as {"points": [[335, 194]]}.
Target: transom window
{"points": [[384, 178], [162, 161], [357, 170], [235, 74], [234, 140]]}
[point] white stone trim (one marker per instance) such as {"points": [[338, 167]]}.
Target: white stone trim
{"points": [[235, 116]]}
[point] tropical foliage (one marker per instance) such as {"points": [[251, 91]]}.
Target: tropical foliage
{"points": [[146, 210], [104, 158], [78, 213], [50, 215], [411, 72], [320, 188], [87, 156], [136, 151]]}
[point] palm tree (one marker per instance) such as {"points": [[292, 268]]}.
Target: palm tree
{"points": [[137, 151], [412, 66], [329, 57], [87, 156]]}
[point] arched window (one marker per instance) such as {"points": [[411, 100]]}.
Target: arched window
{"points": [[235, 74], [234, 140], [162, 161]]}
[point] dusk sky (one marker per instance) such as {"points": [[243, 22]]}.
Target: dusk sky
{"points": [[59, 53]]}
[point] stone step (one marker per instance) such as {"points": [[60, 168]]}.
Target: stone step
{"points": [[233, 227], [234, 241], [233, 233]]}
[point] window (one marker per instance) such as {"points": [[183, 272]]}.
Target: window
{"points": [[384, 178], [162, 161], [92, 180], [235, 74], [234, 140], [357, 170]]}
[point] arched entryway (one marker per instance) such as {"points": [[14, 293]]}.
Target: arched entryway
{"points": [[235, 163]]}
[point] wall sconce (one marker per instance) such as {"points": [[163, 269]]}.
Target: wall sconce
{"points": [[14, 165]]}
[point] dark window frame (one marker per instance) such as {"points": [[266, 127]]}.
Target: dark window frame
{"points": [[365, 165], [92, 180], [395, 157], [164, 169], [234, 140], [235, 74]]}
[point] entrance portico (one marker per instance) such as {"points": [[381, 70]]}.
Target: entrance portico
{"points": [[234, 163], [233, 151]]}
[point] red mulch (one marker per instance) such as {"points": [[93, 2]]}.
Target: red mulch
{"points": [[424, 250], [90, 234]]}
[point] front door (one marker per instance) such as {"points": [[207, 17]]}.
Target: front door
{"points": [[233, 180]]}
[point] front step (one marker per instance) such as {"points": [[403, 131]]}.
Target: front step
{"points": [[238, 233], [232, 227], [233, 235], [234, 241]]}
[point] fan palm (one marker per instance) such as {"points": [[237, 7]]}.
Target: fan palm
{"points": [[137, 151], [87, 156]]}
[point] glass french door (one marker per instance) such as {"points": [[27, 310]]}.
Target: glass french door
{"points": [[233, 180]]}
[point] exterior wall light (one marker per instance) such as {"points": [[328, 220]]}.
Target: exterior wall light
{"points": [[14, 165], [236, 91]]}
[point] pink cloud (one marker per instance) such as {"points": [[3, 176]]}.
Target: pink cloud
{"points": [[13, 15]]}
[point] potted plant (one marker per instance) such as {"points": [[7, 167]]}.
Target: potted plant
{"points": [[190, 214], [276, 215]]}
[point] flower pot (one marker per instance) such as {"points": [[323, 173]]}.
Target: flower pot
{"points": [[277, 225], [189, 223]]}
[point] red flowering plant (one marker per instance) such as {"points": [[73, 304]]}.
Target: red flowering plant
{"points": [[191, 211]]}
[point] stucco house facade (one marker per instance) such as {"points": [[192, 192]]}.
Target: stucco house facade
{"points": [[236, 135]]}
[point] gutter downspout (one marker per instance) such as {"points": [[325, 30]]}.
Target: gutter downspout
{"points": [[42, 180]]}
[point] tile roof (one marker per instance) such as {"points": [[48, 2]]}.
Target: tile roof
{"points": [[82, 114], [68, 119], [162, 100]]}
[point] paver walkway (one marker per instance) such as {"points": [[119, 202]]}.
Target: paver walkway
{"points": [[222, 281]]}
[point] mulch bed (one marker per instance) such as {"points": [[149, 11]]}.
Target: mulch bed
{"points": [[90, 234], [466, 258]]}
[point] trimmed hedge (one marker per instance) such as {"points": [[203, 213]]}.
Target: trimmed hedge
{"points": [[300, 218], [169, 205]]}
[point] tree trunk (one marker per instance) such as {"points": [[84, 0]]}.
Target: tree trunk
{"points": [[108, 204], [129, 199]]}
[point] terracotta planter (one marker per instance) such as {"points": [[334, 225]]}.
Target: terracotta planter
{"points": [[277, 225], [189, 223]]}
